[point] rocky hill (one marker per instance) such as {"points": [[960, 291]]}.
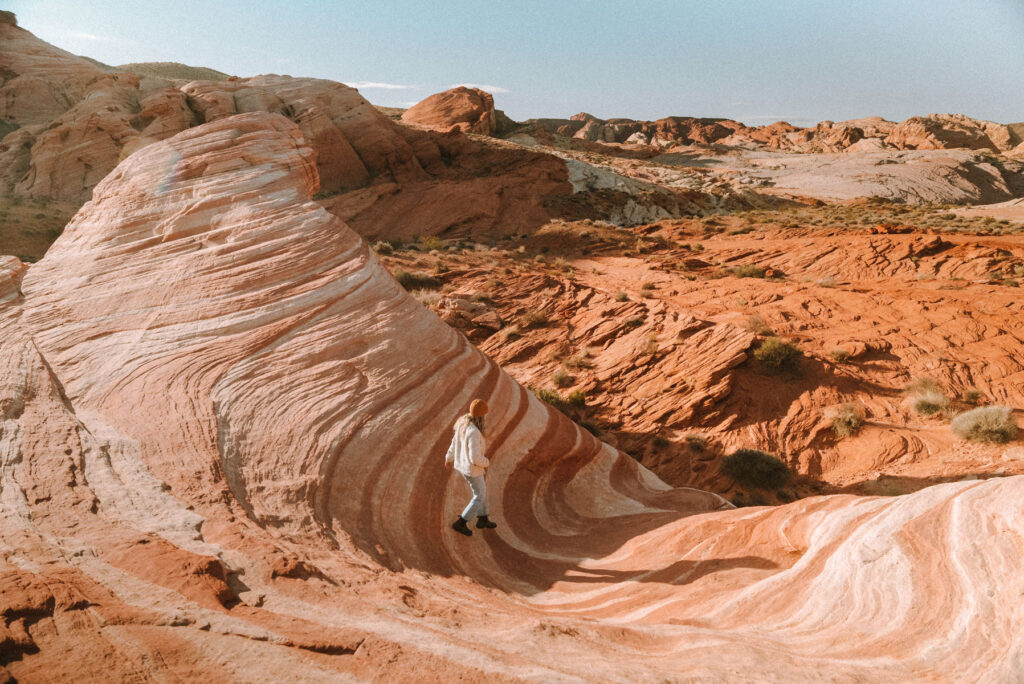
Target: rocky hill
{"points": [[65, 122]]}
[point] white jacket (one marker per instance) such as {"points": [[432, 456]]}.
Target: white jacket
{"points": [[467, 449]]}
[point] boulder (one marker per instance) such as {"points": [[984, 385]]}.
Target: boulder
{"points": [[469, 110]]}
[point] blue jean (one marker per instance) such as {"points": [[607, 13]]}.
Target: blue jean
{"points": [[478, 504]]}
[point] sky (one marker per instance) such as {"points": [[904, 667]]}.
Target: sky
{"points": [[756, 61]]}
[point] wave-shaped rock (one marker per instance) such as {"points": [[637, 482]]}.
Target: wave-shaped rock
{"points": [[222, 428]]}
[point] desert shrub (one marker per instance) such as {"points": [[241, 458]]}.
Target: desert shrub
{"points": [[621, 297], [929, 403], [926, 396], [986, 424], [535, 318], [429, 242], [748, 271], [647, 286], [634, 322], [512, 333], [757, 325], [426, 297], [776, 355], [848, 420], [381, 247], [696, 442], [972, 395], [580, 361], [839, 355], [561, 378], [755, 468], [574, 400], [416, 281], [660, 442], [921, 385]]}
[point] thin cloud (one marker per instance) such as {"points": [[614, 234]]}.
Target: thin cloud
{"points": [[486, 88], [371, 85], [87, 36]]}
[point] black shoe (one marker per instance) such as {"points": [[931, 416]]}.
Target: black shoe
{"points": [[483, 523], [460, 527]]}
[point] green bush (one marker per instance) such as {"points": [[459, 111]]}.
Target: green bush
{"points": [[776, 355], [416, 281], [621, 297], [562, 378], [986, 424], [755, 468]]}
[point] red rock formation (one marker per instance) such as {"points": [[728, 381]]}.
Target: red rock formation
{"points": [[469, 110], [74, 123], [950, 131], [221, 457]]}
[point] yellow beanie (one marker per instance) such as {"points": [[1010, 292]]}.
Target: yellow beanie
{"points": [[478, 408]]}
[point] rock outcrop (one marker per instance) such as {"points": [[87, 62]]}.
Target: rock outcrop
{"points": [[951, 131], [469, 110], [66, 123], [222, 429]]}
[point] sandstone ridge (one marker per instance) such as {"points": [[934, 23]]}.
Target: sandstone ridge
{"points": [[223, 434]]}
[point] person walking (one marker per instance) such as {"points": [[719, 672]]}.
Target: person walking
{"points": [[466, 453]]}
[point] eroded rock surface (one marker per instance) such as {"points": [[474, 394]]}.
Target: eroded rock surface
{"points": [[222, 429]]}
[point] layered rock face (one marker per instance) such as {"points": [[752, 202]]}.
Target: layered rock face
{"points": [[469, 110], [222, 430], [67, 123]]}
